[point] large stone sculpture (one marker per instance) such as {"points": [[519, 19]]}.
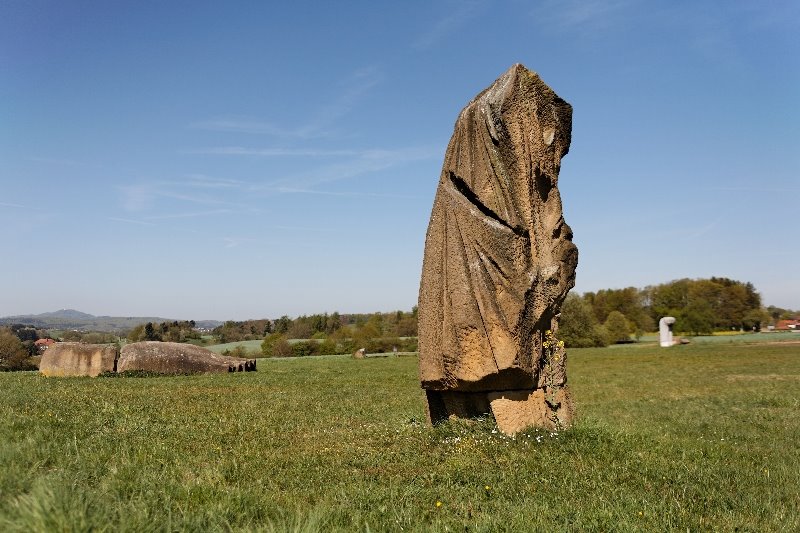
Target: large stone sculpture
{"points": [[665, 331], [77, 359], [499, 261], [178, 358]]}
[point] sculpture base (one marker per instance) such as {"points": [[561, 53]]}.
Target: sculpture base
{"points": [[513, 410]]}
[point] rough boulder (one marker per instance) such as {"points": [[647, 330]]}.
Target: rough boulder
{"points": [[178, 358], [78, 359]]}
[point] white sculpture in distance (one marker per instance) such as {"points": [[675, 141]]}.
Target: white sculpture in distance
{"points": [[665, 331]]}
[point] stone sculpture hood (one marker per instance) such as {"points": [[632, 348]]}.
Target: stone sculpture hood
{"points": [[499, 258]]}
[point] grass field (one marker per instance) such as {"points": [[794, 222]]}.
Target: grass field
{"points": [[698, 437], [253, 347]]}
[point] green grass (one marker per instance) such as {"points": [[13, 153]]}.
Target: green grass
{"points": [[698, 437], [731, 337], [748, 338], [253, 347]]}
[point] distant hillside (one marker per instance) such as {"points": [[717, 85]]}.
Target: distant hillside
{"points": [[68, 314], [70, 319]]}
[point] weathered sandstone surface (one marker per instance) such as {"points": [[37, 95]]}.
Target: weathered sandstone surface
{"points": [[178, 358], [78, 359], [499, 261]]}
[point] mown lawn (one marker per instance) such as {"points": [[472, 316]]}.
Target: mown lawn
{"points": [[698, 437]]}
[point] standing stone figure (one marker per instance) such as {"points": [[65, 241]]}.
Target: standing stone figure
{"points": [[665, 331], [499, 261]]}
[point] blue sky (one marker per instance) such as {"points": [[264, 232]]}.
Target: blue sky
{"points": [[233, 160]]}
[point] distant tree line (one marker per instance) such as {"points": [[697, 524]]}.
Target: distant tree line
{"points": [[318, 326], [700, 306], [778, 313], [342, 334], [175, 331], [89, 337], [608, 316], [247, 330]]}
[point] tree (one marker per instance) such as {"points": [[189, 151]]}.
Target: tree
{"points": [[334, 322], [71, 336], [97, 337], [25, 333], [778, 313], [407, 326], [232, 331], [150, 333], [366, 333], [630, 301], [276, 345], [305, 348], [617, 327], [301, 328], [697, 318], [238, 351], [705, 304], [13, 355], [755, 319], [578, 327], [282, 324], [668, 299]]}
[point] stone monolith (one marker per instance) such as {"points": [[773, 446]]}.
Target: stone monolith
{"points": [[78, 359], [499, 261], [177, 358], [665, 331]]}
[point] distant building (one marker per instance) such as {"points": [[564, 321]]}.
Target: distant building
{"points": [[788, 325], [43, 344]]}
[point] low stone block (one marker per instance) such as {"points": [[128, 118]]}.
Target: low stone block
{"points": [[78, 359]]}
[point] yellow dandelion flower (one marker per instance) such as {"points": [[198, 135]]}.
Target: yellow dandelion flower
{"points": [[438, 503]]}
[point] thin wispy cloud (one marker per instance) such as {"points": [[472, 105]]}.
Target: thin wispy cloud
{"points": [[273, 152], [320, 123], [367, 162], [193, 214], [303, 228], [131, 221], [699, 232], [137, 197], [233, 242], [352, 194], [15, 206], [461, 13], [686, 232], [58, 161], [203, 199], [206, 182], [354, 88], [560, 15], [146, 196], [751, 190], [242, 125]]}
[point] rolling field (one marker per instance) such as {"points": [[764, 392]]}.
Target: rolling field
{"points": [[253, 347], [698, 437]]}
